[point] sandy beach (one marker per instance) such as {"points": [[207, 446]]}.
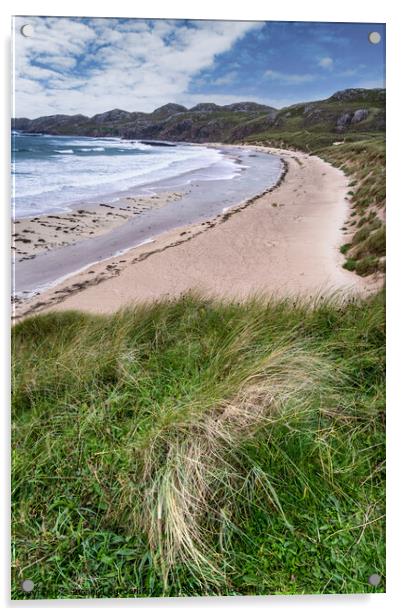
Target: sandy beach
{"points": [[284, 242], [195, 197], [39, 234]]}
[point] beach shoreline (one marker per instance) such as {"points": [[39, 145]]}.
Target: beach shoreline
{"points": [[63, 225], [283, 242], [56, 246], [38, 234]]}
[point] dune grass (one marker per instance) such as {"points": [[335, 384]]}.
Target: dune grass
{"points": [[194, 447], [364, 162]]}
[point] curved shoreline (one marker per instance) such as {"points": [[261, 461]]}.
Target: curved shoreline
{"points": [[283, 242], [177, 202], [138, 185]]}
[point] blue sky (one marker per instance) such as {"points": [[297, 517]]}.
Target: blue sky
{"points": [[77, 65]]}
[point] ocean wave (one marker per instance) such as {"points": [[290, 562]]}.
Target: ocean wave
{"points": [[109, 142], [44, 182], [119, 173], [23, 150], [98, 149], [142, 146]]}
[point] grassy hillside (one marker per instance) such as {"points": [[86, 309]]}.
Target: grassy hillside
{"points": [[355, 110], [196, 447]]}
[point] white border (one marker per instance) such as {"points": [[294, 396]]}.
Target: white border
{"points": [[292, 10]]}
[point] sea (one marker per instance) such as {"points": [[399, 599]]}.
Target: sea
{"points": [[52, 173]]}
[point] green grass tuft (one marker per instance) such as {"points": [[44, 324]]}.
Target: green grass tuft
{"points": [[344, 248], [367, 265], [194, 447], [350, 264]]}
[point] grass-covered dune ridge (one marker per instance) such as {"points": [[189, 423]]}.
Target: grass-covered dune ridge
{"points": [[364, 161], [198, 447]]}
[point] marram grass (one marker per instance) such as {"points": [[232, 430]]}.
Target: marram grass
{"points": [[195, 447]]}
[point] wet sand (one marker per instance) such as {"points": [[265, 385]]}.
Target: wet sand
{"points": [[284, 242], [40, 234]]}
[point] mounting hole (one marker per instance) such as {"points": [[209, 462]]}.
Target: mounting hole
{"points": [[28, 585], [27, 30], [374, 579], [374, 38]]}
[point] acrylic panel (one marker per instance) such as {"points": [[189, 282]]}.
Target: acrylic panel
{"points": [[198, 253]]}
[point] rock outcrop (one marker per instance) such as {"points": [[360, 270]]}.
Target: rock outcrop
{"points": [[116, 115]]}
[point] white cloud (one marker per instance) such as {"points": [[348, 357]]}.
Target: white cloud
{"points": [[326, 63], [286, 78], [225, 80], [74, 67]]}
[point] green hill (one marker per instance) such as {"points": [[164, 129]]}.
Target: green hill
{"points": [[353, 110]]}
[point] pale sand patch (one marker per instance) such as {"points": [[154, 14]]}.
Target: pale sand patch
{"points": [[32, 236], [284, 243]]}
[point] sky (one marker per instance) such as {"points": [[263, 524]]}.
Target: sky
{"points": [[88, 66]]}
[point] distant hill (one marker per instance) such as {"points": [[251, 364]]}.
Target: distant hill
{"points": [[349, 110]]}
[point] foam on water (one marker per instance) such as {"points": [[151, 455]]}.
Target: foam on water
{"points": [[51, 173]]}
